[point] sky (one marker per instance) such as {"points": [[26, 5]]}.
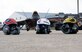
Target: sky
{"points": [[8, 7]]}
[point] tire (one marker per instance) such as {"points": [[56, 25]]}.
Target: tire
{"points": [[47, 31], [6, 30], [42, 32], [37, 33], [27, 27], [58, 26], [7, 33], [66, 29], [15, 32], [74, 31]]}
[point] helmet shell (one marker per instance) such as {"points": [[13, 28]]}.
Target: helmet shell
{"points": [[70, 20], [10, 21], [43, 21]]}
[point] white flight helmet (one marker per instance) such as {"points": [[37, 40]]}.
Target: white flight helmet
{"points": [[43, 21]]}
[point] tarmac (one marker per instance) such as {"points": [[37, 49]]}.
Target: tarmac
{"points": [[29, 41]]}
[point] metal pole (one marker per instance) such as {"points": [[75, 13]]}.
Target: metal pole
{"points": [[77, 6]]}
